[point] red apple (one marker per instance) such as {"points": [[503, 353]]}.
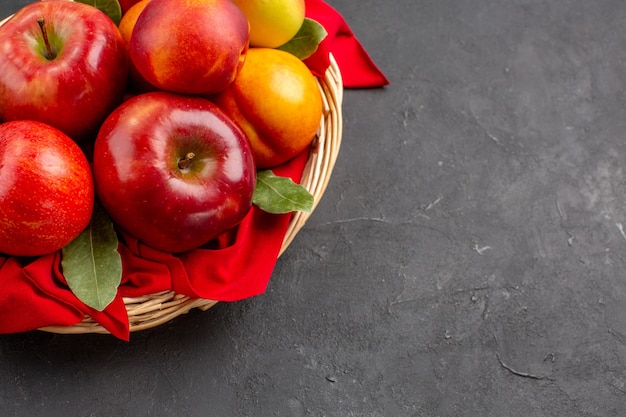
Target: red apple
{"points": [[173, 170], [73, 84], [190, 47], [46, 189]]}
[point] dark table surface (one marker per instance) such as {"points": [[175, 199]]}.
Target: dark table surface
{"points": [[467, 259]]}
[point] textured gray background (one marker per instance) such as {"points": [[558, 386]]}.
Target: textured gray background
{"points": [[467, 259]]}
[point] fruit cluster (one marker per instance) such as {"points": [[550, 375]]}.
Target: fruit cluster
{"points": [[164, 117]]}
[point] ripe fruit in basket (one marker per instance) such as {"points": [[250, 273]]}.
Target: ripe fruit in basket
{"points": [[73, 84], [136, 82], [127, 23], [190, 47], [277, 102], [173, 170], [46, 189], [272, 22]]}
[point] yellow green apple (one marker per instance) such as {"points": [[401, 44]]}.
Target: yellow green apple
{"points": [[272, 22]]}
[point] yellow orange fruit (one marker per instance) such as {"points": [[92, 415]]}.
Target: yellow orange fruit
{"points": [[127, 23], [126, 26], [277, 102]]}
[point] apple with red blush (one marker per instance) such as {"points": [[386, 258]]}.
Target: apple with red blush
{"points": [[173, 170], [62, 63], [46, 189]]}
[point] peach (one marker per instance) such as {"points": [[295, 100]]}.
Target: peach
{"points": [[277, 102], [189, 46], [136, 83]]}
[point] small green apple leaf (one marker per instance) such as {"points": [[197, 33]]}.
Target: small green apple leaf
{"points": [[91, 264], [278, 195], [111, 8], [305, 42]]}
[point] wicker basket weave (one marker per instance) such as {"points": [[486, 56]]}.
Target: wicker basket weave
{"points": [[155, 309]]}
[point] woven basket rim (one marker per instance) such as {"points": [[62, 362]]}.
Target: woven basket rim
{"points": [[152, 310]]}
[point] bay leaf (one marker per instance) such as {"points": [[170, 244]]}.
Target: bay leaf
{"points": [[111, 8], [91, 264], [277, 195], [305, 42]]}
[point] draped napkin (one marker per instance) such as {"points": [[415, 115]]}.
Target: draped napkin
{"points": [[235, 266]]}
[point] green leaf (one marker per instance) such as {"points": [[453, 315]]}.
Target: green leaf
{"points": [[111, 8], [91, 264], [305, 42], [279, 195]]}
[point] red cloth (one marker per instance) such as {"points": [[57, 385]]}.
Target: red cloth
{"points": [[357, 68], [34, 294], [238, 265]]}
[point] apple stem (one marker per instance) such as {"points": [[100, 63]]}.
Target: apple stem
{"points": [[49, 52], [184, 163]]}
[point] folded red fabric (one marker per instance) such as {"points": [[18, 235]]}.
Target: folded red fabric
{"points": [[236, 266], [34, 294], [358, 70]]}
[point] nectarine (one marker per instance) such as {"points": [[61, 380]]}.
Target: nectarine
{"points": [[189, 46], [277, 102]]}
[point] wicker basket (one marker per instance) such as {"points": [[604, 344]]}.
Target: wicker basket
{"points": [[155, 309]]}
